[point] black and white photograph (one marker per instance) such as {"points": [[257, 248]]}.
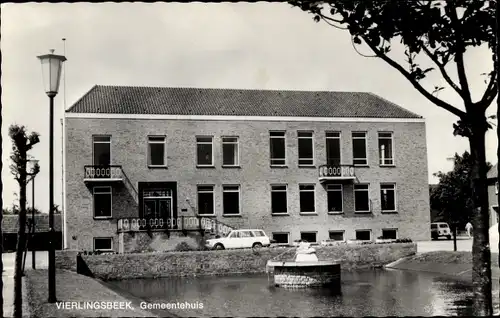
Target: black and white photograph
{"points": [[250, 159]]}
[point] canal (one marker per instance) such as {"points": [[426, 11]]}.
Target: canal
{"points": [[364, 293]]}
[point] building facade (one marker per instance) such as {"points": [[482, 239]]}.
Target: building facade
{"points": [[300, 165], [493, 194]]}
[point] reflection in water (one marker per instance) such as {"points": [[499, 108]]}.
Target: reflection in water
{"points": [[364, 293]]}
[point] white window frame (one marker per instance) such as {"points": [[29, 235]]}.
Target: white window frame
{"points": [[103, 238], [232, 191], [270, 153], [164, 142], [330, 137], [364, 230], [391, 229], [366, 147], [211, 143], [286, 192], [198, 198], [395, 197], [381, 158], [102, 142], [312, 164], [287, 237], [337, 231], [315, 235], [110, 189], [314, 193], [237, 143], [369, 198], [328, 186]]}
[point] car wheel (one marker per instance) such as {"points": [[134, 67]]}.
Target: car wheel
{"points": [[257, 245], [448, 237], [219, 246]]}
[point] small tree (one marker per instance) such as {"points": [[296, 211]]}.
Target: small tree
{"points": [[452, 197], [21, 144], [434, 36]]}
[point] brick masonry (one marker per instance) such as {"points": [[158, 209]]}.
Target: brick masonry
{"points": [[148, 265], [310, 276], [129, 149]]}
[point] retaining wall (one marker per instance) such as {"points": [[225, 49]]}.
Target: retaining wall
{"points": [[145, 265]]}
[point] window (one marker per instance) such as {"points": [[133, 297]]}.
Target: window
{"points": [[336, 235], [361, 198], [391, 234], [101, 150], [231, 199], [235, 235], [333, 156], [156, 151], [230, 151], [335, 198], [204, 151], [363, 235], [246, 234], [309, 237], [206, 200], [278, 199], [259, 233], [385, 148], [496, 187], [281, 238], [359, 148], [306, 148], [388, 197], [277, 148], [103, 244], [307, 204], [102, 202]]}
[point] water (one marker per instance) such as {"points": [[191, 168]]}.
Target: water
{"points": [[364, 293]]}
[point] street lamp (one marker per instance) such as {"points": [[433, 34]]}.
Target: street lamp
{"points": [[51, 71], [33, 166]]}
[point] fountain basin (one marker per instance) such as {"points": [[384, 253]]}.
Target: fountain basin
{"points": [[306, 274]]}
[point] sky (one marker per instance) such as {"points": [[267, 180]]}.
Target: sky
{"points": [[223, 45]]}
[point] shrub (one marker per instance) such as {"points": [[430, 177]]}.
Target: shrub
{"points": [[183, 247]]}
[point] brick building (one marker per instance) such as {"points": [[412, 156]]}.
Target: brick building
{"points": [[300, 165], [493, 194]]}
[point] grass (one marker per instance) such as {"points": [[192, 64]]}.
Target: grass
{"points": [[449, 257]]}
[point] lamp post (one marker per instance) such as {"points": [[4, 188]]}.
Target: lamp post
{"points": [[33, 164], [51, 71]]}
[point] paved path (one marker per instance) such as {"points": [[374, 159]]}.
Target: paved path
{"points": [[464, 244], [8, 259]]}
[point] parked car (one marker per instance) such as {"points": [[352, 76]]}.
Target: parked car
{"points": [[240, 239], [440, 229]]}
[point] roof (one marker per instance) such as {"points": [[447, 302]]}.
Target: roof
{"points": [[235, 102], [493, 172]]}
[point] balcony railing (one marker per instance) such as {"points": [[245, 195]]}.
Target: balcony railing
{"points": [[336, 172], [183, 223], [103, 173]]}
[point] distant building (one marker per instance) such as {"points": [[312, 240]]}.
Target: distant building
{"points": [[300, 165], [493, 194], [10, 227]]}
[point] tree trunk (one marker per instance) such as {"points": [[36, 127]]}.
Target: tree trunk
{"points": [[21, 237], [481, 255]]}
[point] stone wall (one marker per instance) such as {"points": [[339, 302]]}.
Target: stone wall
{"points": [[127, 266], [307, 276]]}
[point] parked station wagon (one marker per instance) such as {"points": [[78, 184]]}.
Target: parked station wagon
{"points": [[240, 239], [440, 229]]}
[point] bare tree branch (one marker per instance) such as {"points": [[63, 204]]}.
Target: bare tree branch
{"points": [[490, 93], [459, 53], [442, 70], [415, 84]]}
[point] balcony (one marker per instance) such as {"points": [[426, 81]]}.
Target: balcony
{"points": [[103, 174], [181, 223], [339, 173]]}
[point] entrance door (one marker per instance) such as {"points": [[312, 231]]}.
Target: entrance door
{"points": [[165, 211]]}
